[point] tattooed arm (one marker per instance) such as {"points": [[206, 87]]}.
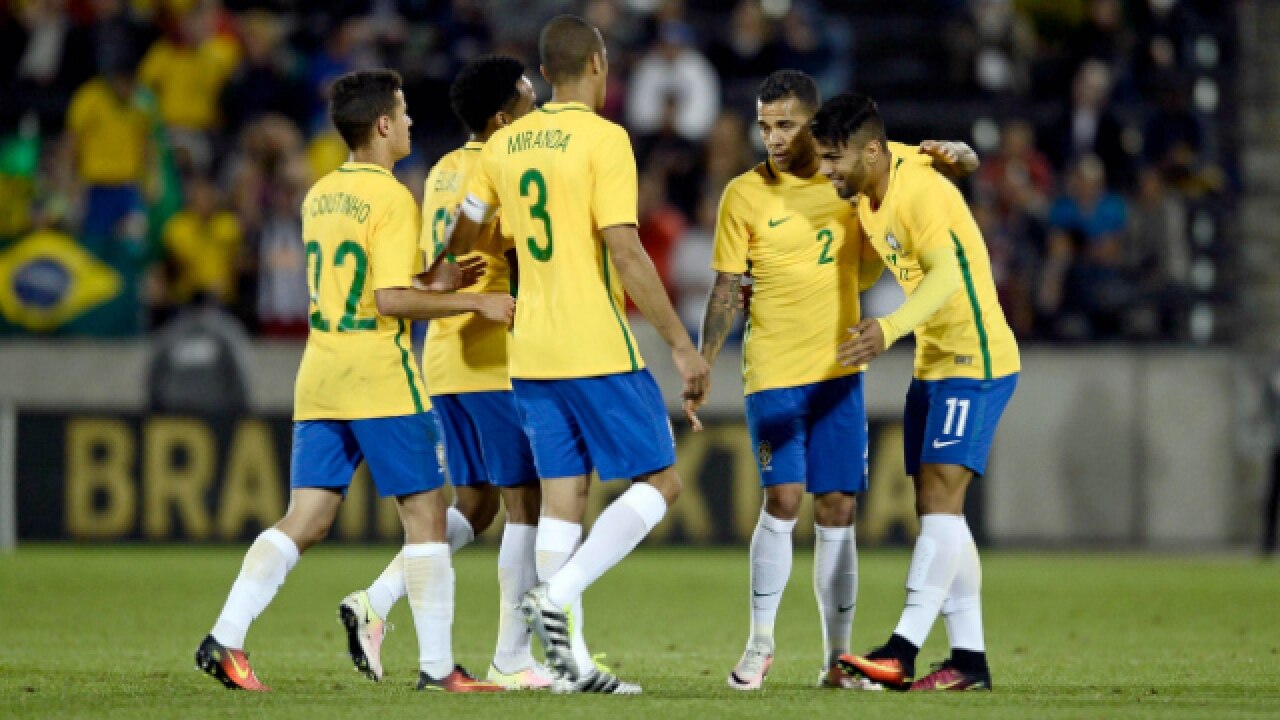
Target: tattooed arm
{"points": [[721, 313]]}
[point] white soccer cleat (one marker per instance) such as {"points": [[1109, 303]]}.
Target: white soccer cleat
{"points": [[551, 625], [598, 682], [365, 631], [751, 669], [535, 677]]}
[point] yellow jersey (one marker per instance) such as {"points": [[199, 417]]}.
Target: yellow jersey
{"points": [[111, 135], [360, 229], [205, 251], [464, 353], [188, 80], [801, 242], [968, 337], [560, 174]]}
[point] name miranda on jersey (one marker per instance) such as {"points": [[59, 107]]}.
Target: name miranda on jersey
{"points": [[340, 203], [551, 139]]}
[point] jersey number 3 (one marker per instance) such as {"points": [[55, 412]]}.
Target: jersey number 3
{"points": [[349, 322], [532, 179]]}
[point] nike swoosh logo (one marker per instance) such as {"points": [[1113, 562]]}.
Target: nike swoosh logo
{"points": [[846, 608], [939, 445], [241, 672], [947, 686], [775, 223], [759, 594]]}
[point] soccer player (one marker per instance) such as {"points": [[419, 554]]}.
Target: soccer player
{"points": [[465, 368], [565, 179], [801, 242], [358, 395], [966, 369]]}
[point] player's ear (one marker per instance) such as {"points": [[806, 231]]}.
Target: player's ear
{"points": [[542, 69], [383, 125]]}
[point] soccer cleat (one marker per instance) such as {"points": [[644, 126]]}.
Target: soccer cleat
{"points": [[751, 669], [880, 667], [534, 677], [365, 631], [947, 677], [598, 682], [835, 677], [551, 625], [458, 681], [229, 666]]}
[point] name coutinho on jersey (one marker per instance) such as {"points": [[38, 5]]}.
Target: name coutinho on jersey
{"points": [[551, 139], [340, 203]]}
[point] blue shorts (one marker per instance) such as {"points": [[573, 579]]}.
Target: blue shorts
{"points": [[404, 453], [953, 421], [614, 424], [815, 434], [483, 439]]}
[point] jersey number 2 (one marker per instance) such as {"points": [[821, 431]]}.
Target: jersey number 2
{"points": [[349, 322], [825, 237], [538, 211]]}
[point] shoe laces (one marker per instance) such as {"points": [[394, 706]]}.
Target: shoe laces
{"points": [[753, 660]]}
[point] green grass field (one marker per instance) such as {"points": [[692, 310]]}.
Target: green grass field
{"points": [[110, 633]]}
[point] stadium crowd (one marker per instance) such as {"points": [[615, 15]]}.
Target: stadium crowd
{"points": [[173, 140]]}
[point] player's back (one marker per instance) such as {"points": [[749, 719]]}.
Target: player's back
{"points": [[464, 353], [360, 230], [561, 174]]}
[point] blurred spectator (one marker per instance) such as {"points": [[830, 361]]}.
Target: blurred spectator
{"points": [[1157, 258], [1088, 125], [108, 147], [267, 147], [674, 73], [50, 59], [744, 56], [281, 265], [668, 153], [202, 247], [725, 154], [187, 70], [991, 48], [1018, 174], [1083, 279], [1102, 36], [661, 227], [265, 82], [1175, 141], [803, 44], [691, 273], [1013, 262]]}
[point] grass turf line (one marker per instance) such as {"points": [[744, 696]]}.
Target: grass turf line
{"points": [[110, 632]]}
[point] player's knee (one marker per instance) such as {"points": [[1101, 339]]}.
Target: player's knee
{"points": [[835, 509], [522, 504], [783, 501], [479, 506], [666, 482]]}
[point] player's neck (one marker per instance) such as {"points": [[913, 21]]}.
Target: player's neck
{"points": [[804, 170], [879, 185], [375, 154], [574, 92]]}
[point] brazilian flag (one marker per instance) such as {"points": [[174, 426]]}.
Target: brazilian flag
{"points": [[47, 280]]}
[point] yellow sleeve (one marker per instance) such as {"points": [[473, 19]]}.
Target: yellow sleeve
{"points": [[80, 112], [152, 67], [926, 211], [481, 201], [941, 279], [870, 265], [394, 243], [733, 232], [614, 196]]}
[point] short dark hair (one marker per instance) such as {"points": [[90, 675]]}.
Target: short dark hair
{"points": [[565, 45], [844, 116], [783, 84], [358, 99], [485, 86]]}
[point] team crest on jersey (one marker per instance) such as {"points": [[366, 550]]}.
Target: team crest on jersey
{"points": [[764, 451], [892, 242]]}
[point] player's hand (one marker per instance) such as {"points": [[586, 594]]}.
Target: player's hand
{"points": [[938, 150], [498, 307], [866, 341], [696, 373], [448, 276]]}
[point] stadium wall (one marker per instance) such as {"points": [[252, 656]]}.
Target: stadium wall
{"points": [[1122, 447]]}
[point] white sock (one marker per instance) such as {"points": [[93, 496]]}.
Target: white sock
{"points": [[556, 543], [517, 572], [962, 610], [770, 569], [933, 569], [835, 584], [428, 575], [269, 559], [614, 535], [387, 590]]}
